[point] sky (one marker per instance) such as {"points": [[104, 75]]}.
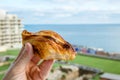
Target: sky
{"points": [[64, 11]]}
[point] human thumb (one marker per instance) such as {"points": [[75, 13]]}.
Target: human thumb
{"points": [[25, 56]]}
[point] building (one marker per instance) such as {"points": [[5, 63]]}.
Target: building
{"points": [[10, 30], [110, 76]]}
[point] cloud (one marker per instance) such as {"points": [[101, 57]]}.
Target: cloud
{"points": [[65, 11]]}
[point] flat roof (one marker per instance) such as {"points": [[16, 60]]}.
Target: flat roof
{"points": [[110, 76]]}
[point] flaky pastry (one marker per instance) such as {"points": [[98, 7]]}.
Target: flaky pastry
{"points": [[49, 45]]}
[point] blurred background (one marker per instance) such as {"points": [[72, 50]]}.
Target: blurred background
{"points": [[91, 26]]}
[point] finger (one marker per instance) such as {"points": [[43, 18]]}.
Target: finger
{"points": [[25, 55], [35, 59], [45, 67]]}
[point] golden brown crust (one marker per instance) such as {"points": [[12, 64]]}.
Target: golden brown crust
{"points": [[49, 45]]}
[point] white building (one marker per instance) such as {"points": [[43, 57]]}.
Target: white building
{"points": [[10, 30]]}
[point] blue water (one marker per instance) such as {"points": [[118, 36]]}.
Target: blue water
{"points": [[106, 36]]}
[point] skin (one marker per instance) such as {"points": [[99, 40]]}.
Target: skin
{"points": [[26, 66]]}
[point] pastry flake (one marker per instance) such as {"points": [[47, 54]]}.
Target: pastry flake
{"points": [[49, 45]]}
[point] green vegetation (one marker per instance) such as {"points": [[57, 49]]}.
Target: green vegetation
{"points": [[1, 76], [97, 77], [10, 52], [3, 68], [106, 65], [56, 65]]}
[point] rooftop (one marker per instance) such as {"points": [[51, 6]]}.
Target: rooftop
{"points": [[110, 76]]}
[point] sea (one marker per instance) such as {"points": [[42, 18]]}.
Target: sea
{"points": [[105, 36]]}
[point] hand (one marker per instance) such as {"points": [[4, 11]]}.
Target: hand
{"points": [[25, 66]]}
